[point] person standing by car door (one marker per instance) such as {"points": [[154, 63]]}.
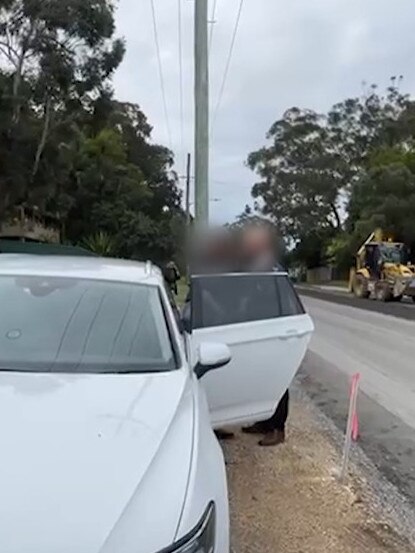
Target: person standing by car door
{"points": [[173, 276], [213, 256], [259, 254]]}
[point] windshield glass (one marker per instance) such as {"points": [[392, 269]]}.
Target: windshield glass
{"points": [[79, 325], [392, 254]]}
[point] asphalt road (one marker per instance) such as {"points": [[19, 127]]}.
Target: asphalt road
{"points": [[381, 347], [404, 309]]}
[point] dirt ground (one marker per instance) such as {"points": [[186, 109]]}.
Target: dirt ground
{"points": [[288, 500]]}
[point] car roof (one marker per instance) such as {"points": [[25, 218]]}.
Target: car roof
{"points": [[42, 248], [94, 268]]}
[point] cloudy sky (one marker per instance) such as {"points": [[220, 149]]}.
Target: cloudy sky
{"points": [[308, 53]]}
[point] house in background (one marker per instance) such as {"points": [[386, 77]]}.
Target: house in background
{"points": [[25, 233], [24, 225]]}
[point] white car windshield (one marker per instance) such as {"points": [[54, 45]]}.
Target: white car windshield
{"points": [[50, 324]]}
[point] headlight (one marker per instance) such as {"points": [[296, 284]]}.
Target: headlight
{"points": [[201, 539]]}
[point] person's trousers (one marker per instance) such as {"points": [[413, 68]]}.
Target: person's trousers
{"points": [[279, 418]]}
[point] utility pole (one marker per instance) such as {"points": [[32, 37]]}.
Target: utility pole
{"points": [[201, 114], [188, 194], [188, 233]]}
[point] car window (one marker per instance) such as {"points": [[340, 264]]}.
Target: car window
{"points": [[219, 300], [290, 302], [82, 325]]}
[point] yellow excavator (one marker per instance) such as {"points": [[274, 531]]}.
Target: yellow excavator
{"points": [[382, 270]]}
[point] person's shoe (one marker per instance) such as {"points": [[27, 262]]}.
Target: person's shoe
{"points": [[257, 428], [276, 437], [224, 434]]}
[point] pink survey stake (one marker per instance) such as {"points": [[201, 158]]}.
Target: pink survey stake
{"points": [[355, 419]]}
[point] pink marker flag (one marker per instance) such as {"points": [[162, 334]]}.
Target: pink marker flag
{"points": [[352, 430], [355, 419]]}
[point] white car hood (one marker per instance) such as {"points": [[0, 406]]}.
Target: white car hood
{"points": [[82, 457]]}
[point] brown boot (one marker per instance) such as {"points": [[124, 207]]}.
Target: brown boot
{"points": [[224, 434], [276, 437], [257, 428]]}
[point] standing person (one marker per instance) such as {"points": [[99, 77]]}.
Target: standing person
{"points": [[273, 429], [259, 254], [213, 256], [173, 276]]}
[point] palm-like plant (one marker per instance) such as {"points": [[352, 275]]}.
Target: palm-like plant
{"points": [[100, 243]]}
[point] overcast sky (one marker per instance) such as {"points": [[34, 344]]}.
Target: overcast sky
{"points": [[307, 53]]}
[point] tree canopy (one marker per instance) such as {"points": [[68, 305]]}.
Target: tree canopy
{"points": [[328, 179], [70, 151]]}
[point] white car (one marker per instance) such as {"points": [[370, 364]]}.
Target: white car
{"points": [[107, 405]]}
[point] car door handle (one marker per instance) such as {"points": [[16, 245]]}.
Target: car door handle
{"points": [[301, 334], [292, 333]]}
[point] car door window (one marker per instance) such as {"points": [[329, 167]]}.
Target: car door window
{"points": [[230, 299], [290, 302], [219, 300]]}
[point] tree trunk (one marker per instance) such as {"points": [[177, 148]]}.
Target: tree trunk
{"points": [[44, 136], [16, 86], [4, 205], [336, 216], [18, 75]]}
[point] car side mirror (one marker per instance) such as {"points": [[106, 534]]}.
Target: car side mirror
{"points": [[212, 355]]}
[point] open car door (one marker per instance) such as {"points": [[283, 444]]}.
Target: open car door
{"points": [[261, 318]]}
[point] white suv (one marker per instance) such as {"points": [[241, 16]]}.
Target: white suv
{"points": [[107, 406]]}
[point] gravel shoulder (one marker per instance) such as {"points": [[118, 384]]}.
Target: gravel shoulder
{"points": [[288, 500]]}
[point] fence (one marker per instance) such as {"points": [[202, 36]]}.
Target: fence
{"points": [[319, 275]]}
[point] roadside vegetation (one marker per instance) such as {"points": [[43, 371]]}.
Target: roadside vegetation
{"points": [[329, 179], [71, 153]]}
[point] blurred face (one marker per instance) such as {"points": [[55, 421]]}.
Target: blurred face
{"points": [[257, 241], [221, 247], [216, 248]]}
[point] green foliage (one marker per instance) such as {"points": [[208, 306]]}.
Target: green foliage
{"points": [[299, 184], [68, 148], [310, 250], [100, 243], [385, 198], [55, 56], [340, 250], [327, 180]]}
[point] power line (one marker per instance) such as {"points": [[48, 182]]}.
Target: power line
{"points": [[228, 62], [179, 5], [163, 90], [212, 24]]}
